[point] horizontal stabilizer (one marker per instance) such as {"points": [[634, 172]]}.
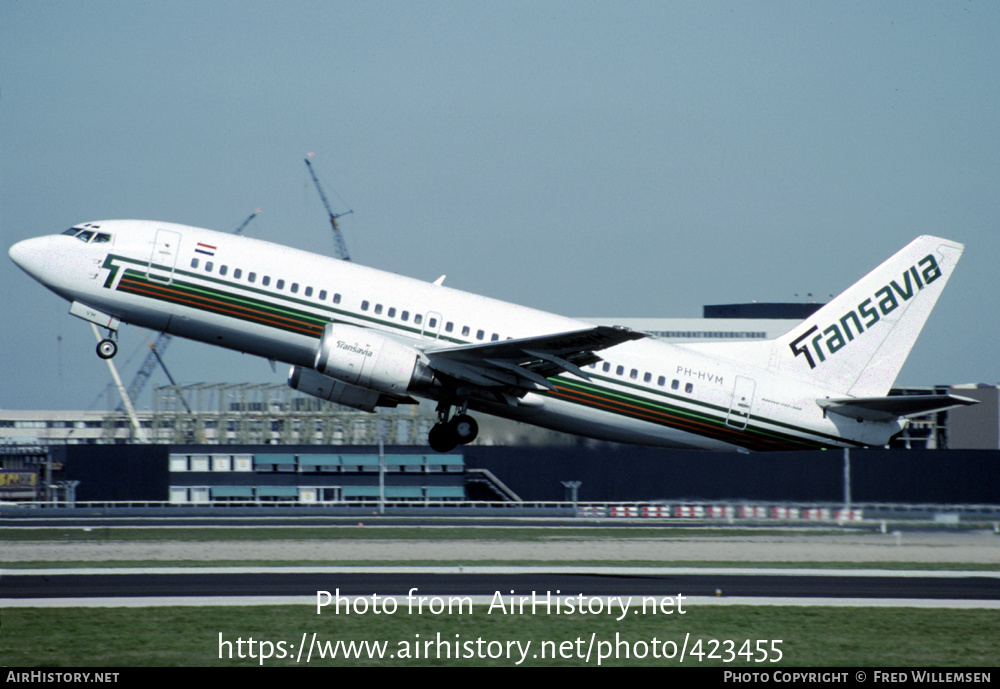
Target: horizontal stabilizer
{"points": [[889, 408]]}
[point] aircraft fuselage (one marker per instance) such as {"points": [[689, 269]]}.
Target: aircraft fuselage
{"points": [[276, 302]]}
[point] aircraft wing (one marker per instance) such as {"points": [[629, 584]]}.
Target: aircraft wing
{"points": [[894, 407], [527, 362]]}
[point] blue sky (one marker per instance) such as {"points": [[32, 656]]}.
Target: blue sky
{"points": [[592, 159]]}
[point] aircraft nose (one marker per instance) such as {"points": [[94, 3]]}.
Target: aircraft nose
{"points": [[28, 255]]}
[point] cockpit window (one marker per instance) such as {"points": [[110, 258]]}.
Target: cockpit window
{"points": [[89, 235]]}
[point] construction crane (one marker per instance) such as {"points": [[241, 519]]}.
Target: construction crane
{"points": [[156, 349], [239, 230], [152, 360], [338, 239]]}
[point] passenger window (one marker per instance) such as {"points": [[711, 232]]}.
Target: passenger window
{"points": [[194, 262], [674, 384], [322, 295], [364, 305], [209, 265], [336, 298], [494, 337], [449, 326], [647, 377], [252, 277], [606, 367], [432, 322], [418, 319], [689, 388], [280, 284], [480, 334], [223, 270], [295, 288], [378, 308], [620, 370], [633, 374], [266, 280], [405, 316], [661, 381], [465, 331], [238, 273], [309, 291], [392, 312]]}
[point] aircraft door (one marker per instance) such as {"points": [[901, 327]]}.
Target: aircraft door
{"points": [[742, 402], [431, 325], [163, 259]]}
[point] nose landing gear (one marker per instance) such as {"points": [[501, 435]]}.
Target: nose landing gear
{"points": [[107, 348], [446, 435]]}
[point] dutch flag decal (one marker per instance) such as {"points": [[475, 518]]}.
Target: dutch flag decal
{"points": [[206, 249]]}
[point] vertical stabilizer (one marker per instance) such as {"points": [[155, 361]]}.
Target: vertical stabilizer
{"points": [[858, 342]]}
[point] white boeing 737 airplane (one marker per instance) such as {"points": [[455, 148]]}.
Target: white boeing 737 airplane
{"points": [[366, 338]]}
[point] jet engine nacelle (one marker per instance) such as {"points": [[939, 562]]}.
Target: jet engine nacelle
{"points": [[368, 359], [326, 388]]}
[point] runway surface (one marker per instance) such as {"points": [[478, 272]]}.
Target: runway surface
{"points": [[57, 584]]}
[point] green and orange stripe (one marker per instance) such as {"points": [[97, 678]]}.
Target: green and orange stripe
{"points": [[700, 422]]}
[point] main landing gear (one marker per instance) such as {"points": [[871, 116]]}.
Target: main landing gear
{"points": [[446, 435]]}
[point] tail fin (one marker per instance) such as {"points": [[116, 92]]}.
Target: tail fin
{"points": [[858, 342]]}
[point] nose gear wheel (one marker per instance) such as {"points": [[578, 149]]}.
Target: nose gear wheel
{"points": [[106, 349]]}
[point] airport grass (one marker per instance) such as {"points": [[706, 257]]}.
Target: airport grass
{"points": [[810, 637], [357, 531]]}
